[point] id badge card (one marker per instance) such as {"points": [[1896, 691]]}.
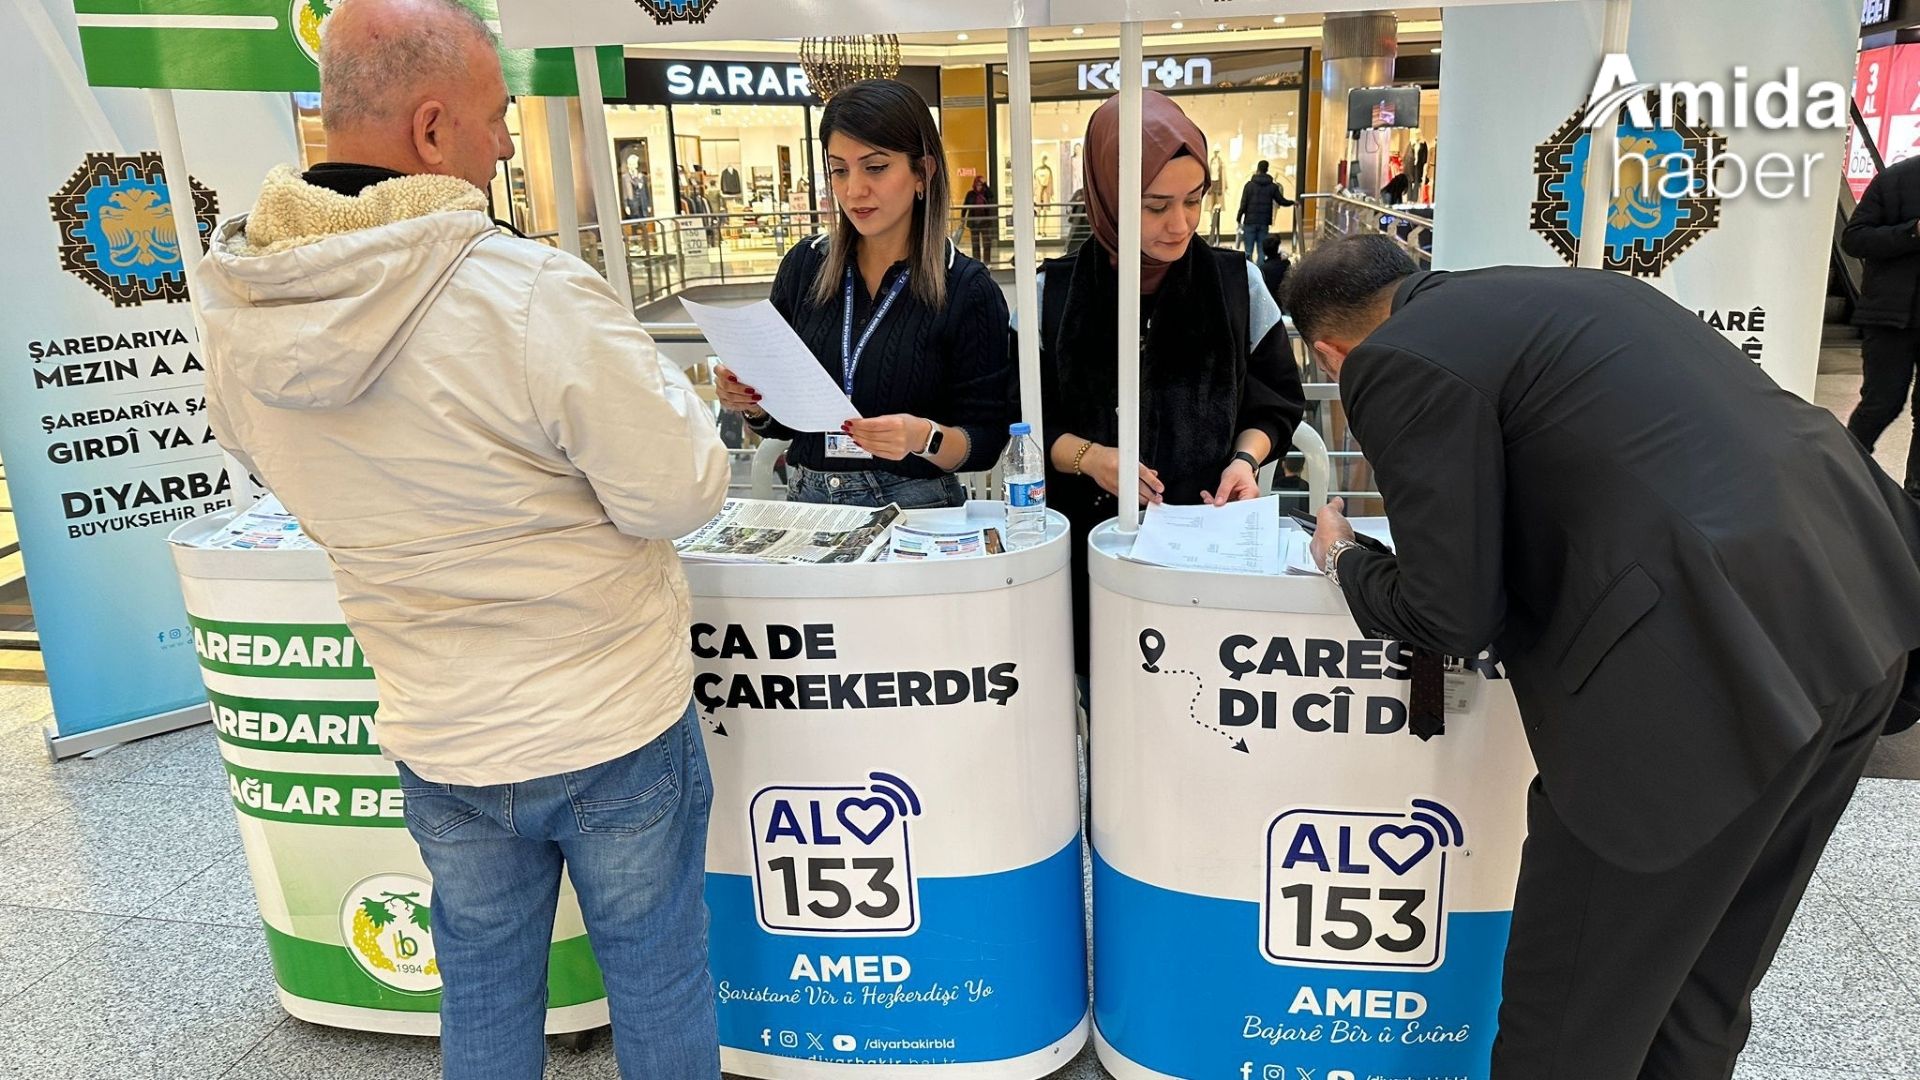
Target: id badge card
{"points": [[841, 445], [1462, 687]]}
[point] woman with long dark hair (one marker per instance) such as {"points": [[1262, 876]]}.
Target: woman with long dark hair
{"points": [[913, 330], [1219, 391]]}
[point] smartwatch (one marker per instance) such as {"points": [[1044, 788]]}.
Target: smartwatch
{"points": [[1242, 455], [934, 438]]}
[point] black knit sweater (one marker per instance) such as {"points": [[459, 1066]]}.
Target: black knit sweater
{"points": [[952, 366]]}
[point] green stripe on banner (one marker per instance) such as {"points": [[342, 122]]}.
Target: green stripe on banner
{"points": [[320, 971], [279, 650], [307, 727], [270, 45], [311, 799]]}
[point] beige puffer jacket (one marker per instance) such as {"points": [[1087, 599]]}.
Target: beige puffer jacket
{"points": [[490, 450]]}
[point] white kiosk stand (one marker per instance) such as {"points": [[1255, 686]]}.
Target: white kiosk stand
{"points": [[343, 894], [894, 863]]}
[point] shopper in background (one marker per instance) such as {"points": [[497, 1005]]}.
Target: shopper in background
{"points": [[495, 459], [1394, 192], [1219, 393], [1885, 233], [983, 220], [913, 330], [1702, 666], [1257, 201], [1079, 230], [1273, 269]]}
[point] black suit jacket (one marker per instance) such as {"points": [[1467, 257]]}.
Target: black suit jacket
{"points": [[1678, 561], [1881, 234]]}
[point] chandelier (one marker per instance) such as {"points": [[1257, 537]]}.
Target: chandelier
{"points": [[834, 63]]}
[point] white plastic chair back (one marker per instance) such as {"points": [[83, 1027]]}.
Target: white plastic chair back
{"points": [[763, 459]]}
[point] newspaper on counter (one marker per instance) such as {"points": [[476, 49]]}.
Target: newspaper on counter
{"points": [[911, 544], [765, 530], [264, 526]]}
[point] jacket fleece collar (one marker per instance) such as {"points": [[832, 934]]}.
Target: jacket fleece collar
{"points": [[292, 213]]}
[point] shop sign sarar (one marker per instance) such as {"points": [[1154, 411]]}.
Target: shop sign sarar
{"points": [[733, 82]]}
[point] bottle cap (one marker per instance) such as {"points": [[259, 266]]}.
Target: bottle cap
{"points": [[1020, 429]]}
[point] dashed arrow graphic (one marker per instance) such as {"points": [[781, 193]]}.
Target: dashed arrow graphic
{"points": [[1193, 710]]}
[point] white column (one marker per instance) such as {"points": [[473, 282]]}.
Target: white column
{"points": [[599, 154], [1131, 185], [1602, 144], [186, 228], [560, 153], [1026, 300]]}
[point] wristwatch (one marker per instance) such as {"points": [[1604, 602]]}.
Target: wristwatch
{"points": [[1242, 455], [934, 438], [1331, 567]]}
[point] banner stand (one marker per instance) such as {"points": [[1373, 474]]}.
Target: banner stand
{"points": [[166, 126], [61, 747]]}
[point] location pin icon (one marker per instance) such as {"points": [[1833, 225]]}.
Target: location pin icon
{"points": [[1151, 646]]}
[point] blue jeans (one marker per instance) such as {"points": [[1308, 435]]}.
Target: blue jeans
{"points": [[632, 834], [1256, 239], [871, 487]]}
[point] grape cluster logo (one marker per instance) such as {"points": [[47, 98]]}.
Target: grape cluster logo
{"points": [[668, 12], [115, 216], [308, 20], [388, 925]]}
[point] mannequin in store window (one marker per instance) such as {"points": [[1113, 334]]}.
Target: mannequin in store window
{"points": [[914, 331], [1043, 183], [1219, 392], [1216, 185]]}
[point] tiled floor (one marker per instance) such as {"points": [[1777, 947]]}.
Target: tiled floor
{"points": [[129, 943]]}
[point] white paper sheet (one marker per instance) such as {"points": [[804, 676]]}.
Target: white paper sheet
{"points": [[1239, 538], [758, 346]]}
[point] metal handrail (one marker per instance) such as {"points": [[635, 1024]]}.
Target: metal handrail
{"points": [[667, 255], [1346, 214]]}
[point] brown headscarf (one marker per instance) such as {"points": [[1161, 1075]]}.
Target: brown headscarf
{"points": [[1164, 132]]}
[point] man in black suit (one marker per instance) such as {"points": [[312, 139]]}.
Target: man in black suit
{"points": [[1884, 233], [1704, 593]]}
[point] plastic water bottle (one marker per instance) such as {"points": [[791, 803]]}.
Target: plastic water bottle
{"points": [[1026, 478]]}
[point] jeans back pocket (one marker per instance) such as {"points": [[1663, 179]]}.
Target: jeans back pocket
{"points": [[434, 809], [630, 793]]}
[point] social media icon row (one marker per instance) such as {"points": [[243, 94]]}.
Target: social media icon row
{"points": [[1279, 1072], [789, 1040]]}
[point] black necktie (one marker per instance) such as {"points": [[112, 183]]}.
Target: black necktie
{"points": [[1427, 697]]}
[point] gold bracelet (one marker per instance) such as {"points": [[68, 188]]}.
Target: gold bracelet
{"points": [[1085, 445]]}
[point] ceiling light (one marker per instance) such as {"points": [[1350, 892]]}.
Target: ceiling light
{"points": [[1222, 26], [1435, 49], [962, 37], [1279, 18], [1078, 31], [1179, 26]]}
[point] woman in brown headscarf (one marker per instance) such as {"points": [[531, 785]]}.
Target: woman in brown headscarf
{"points": [[1219, 392]]}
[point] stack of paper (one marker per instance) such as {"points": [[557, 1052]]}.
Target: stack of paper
{"points": [[1238, 538]]}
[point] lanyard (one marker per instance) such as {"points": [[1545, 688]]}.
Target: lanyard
{"points": [[849, 350]]}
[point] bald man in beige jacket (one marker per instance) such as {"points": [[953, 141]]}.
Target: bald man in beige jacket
{"points": [[496, 459]]}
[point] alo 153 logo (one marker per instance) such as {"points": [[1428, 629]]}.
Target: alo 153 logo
{"points": [[836, 859], [1359, 888], [115, 216]]}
